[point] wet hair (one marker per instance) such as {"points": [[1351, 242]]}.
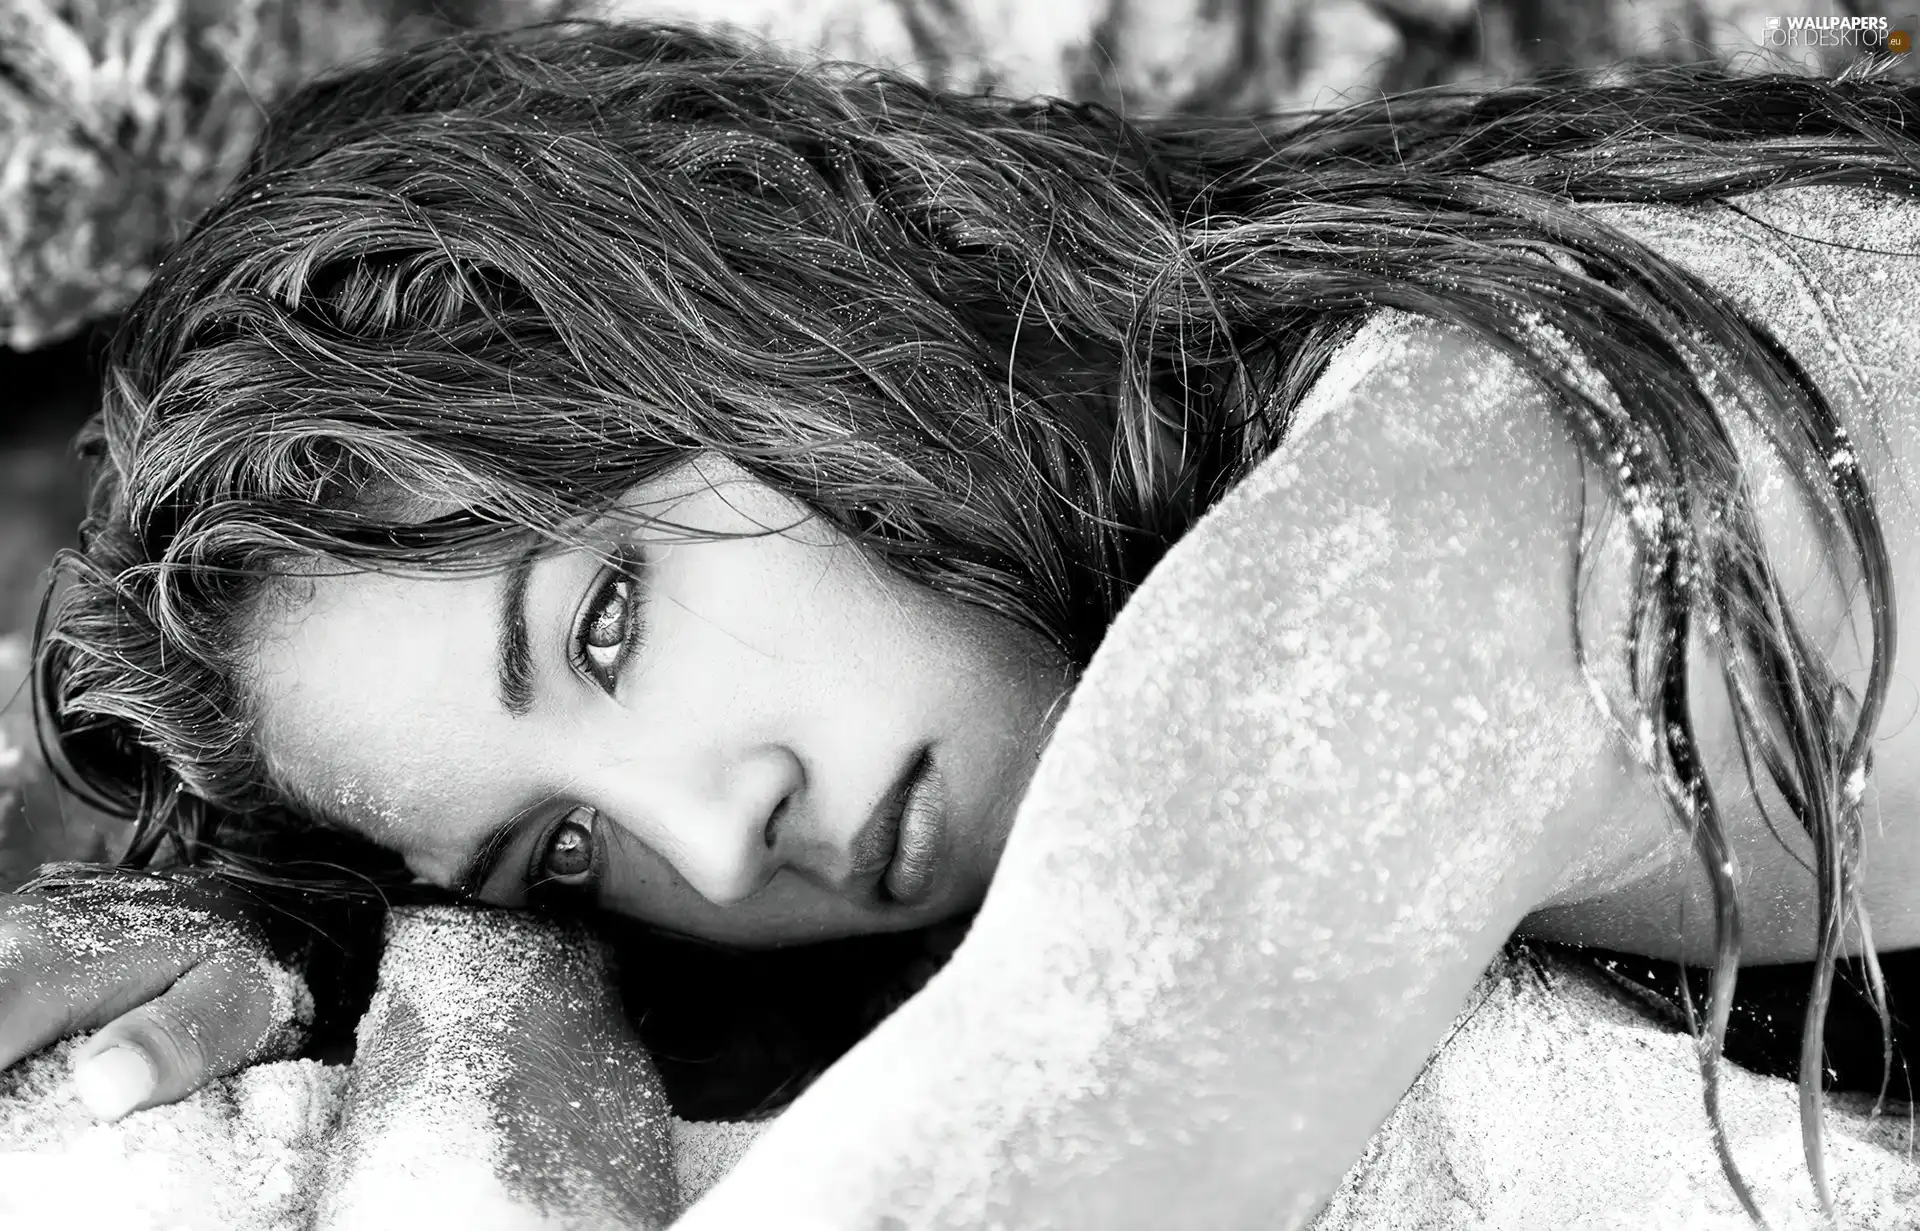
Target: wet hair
{"points": [[517, 272]]}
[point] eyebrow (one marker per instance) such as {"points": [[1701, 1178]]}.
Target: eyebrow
{"points": [[516, 656], [479, 868]]}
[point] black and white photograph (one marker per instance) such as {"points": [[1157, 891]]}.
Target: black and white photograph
{"points": [[959, 615]]}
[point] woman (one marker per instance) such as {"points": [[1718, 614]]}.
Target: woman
{"points": [[611, 468]]}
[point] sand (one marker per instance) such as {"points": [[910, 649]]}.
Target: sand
{"points": [[1556, 1103], [245, 1154], [241, 1155]]}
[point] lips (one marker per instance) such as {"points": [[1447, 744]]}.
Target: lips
{"points": [[895, 852], [874, 845], [909, 878]]}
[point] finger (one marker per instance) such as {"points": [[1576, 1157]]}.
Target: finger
{"points": [[229, 1011], [47, 993]]}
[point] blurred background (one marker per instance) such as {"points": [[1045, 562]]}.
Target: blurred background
{"points": [[120, 120]]}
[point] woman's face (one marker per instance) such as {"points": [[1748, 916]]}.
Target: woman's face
{"points": [[720, 737]]}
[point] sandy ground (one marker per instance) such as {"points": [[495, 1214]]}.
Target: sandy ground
{"points": [[1555, 1103]]}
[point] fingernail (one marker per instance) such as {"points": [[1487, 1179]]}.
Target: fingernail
{"points": [[114, 1082]]}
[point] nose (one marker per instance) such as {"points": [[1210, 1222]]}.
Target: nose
{"points": [[725, 831]]}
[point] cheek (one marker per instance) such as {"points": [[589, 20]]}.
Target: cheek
{"points": [[635, 881]]}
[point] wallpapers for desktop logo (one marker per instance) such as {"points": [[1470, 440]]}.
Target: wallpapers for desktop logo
{"points": [[1861, 34]]}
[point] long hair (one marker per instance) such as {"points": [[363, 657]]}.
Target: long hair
{"points": [[517, 272]]}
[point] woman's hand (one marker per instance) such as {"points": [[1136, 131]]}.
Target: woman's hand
{"points": [[182, 987], [498, 1083]]}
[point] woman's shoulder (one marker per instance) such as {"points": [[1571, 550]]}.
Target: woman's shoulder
{"points": [[1423, 388], [1831, 272], [1747, 239]]}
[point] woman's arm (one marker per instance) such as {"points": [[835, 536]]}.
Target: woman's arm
{"points": [[1329, 757], [497, 1083]]}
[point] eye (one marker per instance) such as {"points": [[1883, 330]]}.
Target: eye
{"points": [[565, 856], [609, 625]]}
